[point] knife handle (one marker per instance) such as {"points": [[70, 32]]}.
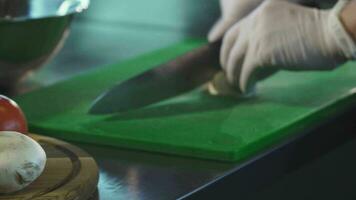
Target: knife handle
{"points": [[214, 52], [207, 57]]}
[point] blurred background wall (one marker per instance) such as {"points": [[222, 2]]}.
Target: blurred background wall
{"points": [[115, 30]]}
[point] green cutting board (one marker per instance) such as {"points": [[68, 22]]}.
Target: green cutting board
{"points": [[194, 124]]}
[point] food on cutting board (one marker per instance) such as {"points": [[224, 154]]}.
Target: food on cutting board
{"points": [[219, 86], [22, 161], [11, 116]]}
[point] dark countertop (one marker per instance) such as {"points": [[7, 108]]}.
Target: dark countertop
{"points": [[117, 30]]}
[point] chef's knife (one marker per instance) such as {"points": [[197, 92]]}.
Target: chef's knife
{"points": [[178, 76]]}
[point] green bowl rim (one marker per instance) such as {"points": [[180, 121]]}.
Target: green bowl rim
{"points": [[72, 7]]}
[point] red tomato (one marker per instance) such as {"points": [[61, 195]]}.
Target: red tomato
{"points": [[11, 116]]}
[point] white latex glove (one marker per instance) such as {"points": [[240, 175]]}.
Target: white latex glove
{"points": [[283, 35], [232, 12]]}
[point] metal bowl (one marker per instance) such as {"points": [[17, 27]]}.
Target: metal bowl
{"points": [[32, 32]]}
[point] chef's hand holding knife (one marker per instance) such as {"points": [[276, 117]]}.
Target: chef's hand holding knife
{"points": [[261, 37]]}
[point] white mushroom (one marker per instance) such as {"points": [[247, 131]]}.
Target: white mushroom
{"points": [[22, 161]]}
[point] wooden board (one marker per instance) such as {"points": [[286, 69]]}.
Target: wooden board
{"points": [[194, 124], [70, 174]]}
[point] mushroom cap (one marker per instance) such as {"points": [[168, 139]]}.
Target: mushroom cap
{"points": [[22, 161]]}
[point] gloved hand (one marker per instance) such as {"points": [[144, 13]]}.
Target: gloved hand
{"points": [[283, 35], [232, 12]]}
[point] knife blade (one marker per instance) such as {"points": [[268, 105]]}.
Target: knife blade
{"points": [[178, 76]]}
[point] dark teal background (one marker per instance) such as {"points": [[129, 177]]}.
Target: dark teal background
{"points": [[111, 31]]}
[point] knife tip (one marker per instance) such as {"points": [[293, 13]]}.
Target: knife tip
{"points": [[97, 108], [100, 107], [95, 111]]}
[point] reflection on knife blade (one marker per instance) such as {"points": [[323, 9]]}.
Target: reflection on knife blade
{"points": [[178, 76]]}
